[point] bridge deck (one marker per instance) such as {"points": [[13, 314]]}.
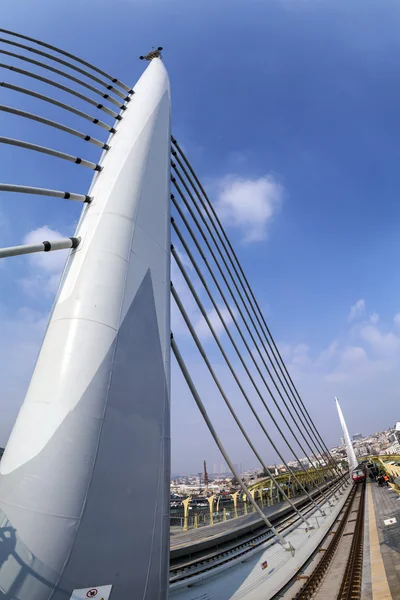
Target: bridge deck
{"points": [[381, 575]]}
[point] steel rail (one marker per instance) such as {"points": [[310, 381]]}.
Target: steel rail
{"points": [[310, 588], [55, 124], [234, 320], [75, 111], [200, 213], [256, 329], [223, 394], [352, 580], [64, 88], [108, 86], [47, 246], [243, 545], [245, 395], [69, 55], [38, 191], [221, 448], [43, 65], [51, 152], [281, 364]]}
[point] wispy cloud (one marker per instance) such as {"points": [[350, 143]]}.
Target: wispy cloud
{"points": [[357, 309], [249, 204], [45, 268], [202, 328]]}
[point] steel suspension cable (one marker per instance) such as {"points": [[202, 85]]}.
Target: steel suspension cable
{"points": [[69, 55], [236, 323], [36, 148], [103, 83], [240, 311], [64, 88], [27, 189], [43, 65], [279, 362], [183, 242], [50, 123], [234, 374], [221, 448], [256, 329], [75, 111]]}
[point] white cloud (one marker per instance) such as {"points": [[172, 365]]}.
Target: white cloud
{"points": [[353, 353], [374, 318], [202, 329], [45, 268], [249, 204], [357, 309], [396, 319], [381, 343]]}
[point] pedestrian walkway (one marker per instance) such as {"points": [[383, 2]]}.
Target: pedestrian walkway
{"points": [[381, 575]]}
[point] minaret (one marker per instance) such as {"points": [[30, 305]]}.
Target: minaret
{"points": [[351, 457], [94, 427]]}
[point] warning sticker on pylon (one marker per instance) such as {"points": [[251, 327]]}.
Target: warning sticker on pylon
{"points": [[101, 592]]}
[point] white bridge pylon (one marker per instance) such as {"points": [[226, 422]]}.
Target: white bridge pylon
{"points": [[70, 515], [351, 455]]}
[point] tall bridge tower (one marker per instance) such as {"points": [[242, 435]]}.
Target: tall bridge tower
{"points": [[96, 417]]}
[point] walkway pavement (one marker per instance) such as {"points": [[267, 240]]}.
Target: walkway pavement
{"points": [[381, 575]]}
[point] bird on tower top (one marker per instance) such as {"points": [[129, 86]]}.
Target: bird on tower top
{"points": [[152, 54]]}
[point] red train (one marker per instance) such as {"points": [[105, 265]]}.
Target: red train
{"points": [[358, 474]]}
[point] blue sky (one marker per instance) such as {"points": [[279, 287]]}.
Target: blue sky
{"points": [[289, 112]]}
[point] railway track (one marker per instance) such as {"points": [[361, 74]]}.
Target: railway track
{"points": [[334, 572], [192, 567]]}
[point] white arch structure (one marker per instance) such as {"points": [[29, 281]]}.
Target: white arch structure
{"points": [[68, 517]]}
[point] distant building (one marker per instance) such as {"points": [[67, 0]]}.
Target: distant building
{"points": [[357, 436], [397, 426]]}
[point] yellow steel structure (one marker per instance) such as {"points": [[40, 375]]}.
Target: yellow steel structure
{"points": [[290, 486]]}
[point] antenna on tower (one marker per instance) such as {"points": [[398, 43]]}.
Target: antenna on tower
{"points": [[152, 54]]}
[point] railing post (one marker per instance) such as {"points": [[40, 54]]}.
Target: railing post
{"points": [[211, 505], [186, 503]]}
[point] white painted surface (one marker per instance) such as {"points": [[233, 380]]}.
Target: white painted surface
{"points": [[351, 456], [92, 301]]}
